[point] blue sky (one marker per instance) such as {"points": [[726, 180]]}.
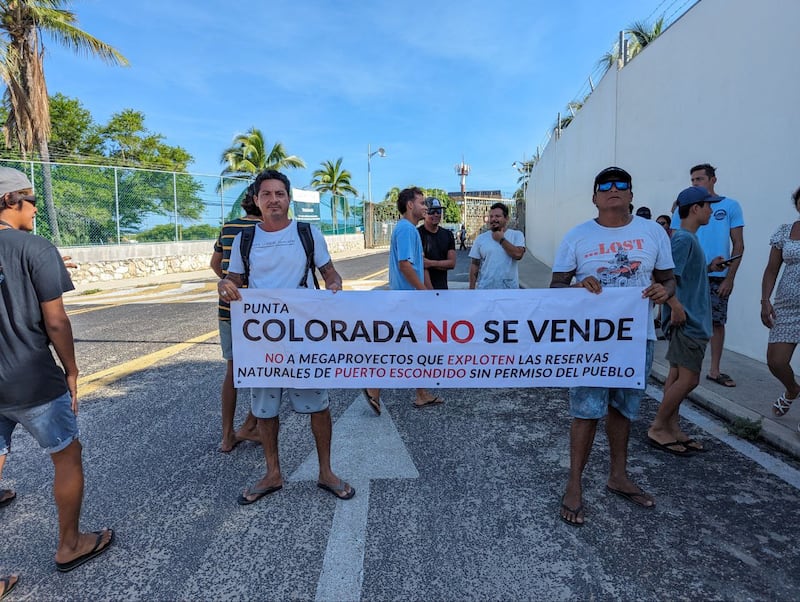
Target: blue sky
{"points": [[429, 81]]}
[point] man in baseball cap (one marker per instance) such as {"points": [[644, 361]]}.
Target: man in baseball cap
{"points": [[595, 256], [686, 320], [45, 400], [438, 244]]}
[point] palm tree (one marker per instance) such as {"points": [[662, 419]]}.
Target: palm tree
{"points": [[247, 156], [332, 178], [641, 34], [22, 70]]}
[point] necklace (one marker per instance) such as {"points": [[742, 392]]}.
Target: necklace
{"points": [[6, 224]]}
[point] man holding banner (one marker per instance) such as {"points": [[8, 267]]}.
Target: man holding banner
{"points": [[615, 249], [278, 260]]}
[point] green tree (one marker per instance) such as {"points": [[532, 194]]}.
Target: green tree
{"points": [[72, 129], [85, 196], [21, 67], [247, 156], [451, 214], [335, 180], [643, 34]]}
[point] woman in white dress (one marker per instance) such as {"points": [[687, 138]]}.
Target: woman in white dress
{"points": [[782, 316]]}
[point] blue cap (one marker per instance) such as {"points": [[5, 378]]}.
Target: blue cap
{"points": [[696, 194]]}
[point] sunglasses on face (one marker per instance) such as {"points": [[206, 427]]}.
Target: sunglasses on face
{"points": [[30, 198], [606, 186], [434, 211]]}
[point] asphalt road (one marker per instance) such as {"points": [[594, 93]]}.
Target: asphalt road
{"points": [[456, 502]]}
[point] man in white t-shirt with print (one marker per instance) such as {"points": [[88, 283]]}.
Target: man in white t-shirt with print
{"points": [[495, 253], [278, 260], [615, 249]]}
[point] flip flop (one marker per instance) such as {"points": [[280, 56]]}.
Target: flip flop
{"points": [[336, 490], [7, 500], [723, 379], [259, 493], [574, 511], [633, 497], [66, 567], [375, 404], [431, 402], [7, 585], [671, 446], [694, 446]]}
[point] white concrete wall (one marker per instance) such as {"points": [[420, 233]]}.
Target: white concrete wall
{"points": [[721, 86]]}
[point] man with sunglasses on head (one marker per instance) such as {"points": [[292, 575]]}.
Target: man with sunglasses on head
{"points": [[495, 253], [35, 391], [438, 245], [614, 249]]}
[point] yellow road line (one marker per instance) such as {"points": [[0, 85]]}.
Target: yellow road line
{"points": [[75, 312], [92, 382], [372, 276]]}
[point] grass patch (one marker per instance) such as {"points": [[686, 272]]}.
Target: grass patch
{"points": [[92, 291], [746, 429]]}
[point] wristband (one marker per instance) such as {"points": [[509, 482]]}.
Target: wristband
{"points": [[502, 240]]}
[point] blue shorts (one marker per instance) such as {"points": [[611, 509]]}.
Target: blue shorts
{"points": [[266, 403], [591, 403], [225, 339], [53, 424]]}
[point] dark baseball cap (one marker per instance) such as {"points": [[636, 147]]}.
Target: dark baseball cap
{"points": [[696, 194], [433, 203], [612, 174]]}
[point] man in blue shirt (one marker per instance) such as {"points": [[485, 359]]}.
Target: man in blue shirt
{"points": [[407, 271], [686, 320]]}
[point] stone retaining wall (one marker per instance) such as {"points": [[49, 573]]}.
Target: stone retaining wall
{"points": [[102, 264]]}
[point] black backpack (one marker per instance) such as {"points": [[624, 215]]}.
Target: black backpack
{"points": [[304, 230]]}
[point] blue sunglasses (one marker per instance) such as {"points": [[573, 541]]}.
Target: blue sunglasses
{"points": [[606, 186]]}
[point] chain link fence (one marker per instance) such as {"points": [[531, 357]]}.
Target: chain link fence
{"points": [[82, 205]]}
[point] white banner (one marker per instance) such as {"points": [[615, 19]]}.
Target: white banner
{"points": [[461, 338]]}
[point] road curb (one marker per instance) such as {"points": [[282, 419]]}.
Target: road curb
{"points": [[777, 434]]}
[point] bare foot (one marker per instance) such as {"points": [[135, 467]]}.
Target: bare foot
{"points": [[228, 444], [248, 434]]}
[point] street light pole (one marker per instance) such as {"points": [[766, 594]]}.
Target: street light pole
{"points": [[381, 153]]}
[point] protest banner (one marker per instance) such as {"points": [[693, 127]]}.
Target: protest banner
{"points": [[448, 338]]}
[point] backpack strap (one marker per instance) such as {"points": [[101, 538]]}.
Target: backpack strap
{"points": [[245, 244], [307, 238]]}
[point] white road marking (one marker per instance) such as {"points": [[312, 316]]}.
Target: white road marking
{"points": [[364, 447]]}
